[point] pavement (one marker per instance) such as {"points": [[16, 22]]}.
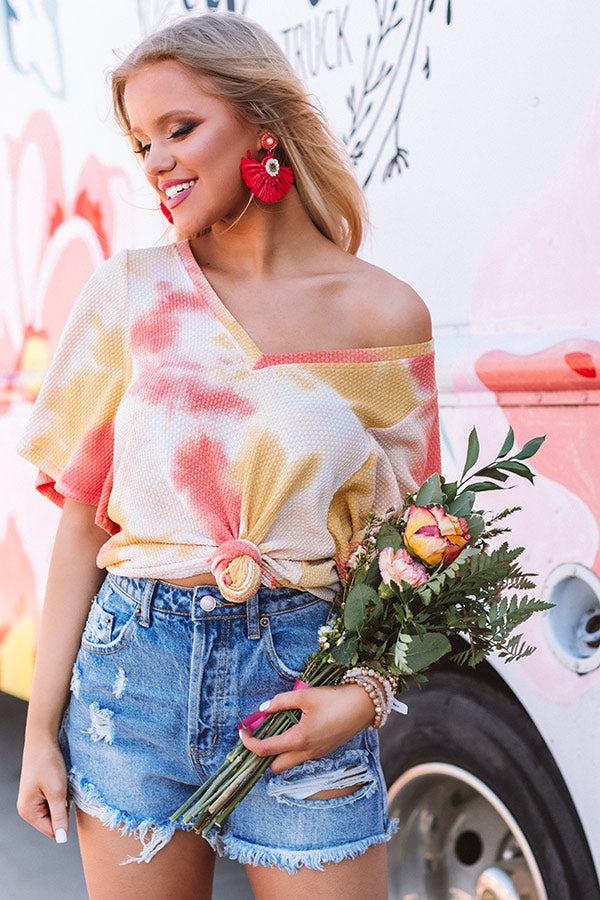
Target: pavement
{"points": [[32, 867]]}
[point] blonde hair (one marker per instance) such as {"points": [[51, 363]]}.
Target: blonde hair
{"points": [[250, 72]]}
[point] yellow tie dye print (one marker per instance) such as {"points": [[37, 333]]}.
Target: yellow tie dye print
{"points": [[201, 452]]}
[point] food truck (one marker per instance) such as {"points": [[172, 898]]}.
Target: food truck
{"points": [[475, 131]]}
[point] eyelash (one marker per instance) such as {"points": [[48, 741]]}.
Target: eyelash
{"points": [[179, 133]]}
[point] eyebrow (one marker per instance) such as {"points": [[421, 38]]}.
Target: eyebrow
{"points": [[173, 113]]}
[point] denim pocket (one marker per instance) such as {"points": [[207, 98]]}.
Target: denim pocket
{"points": [[289, 637], [111, 620]]}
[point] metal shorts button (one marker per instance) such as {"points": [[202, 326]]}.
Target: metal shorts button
{"points": [[207, 603]]}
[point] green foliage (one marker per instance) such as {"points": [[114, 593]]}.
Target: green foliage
{"points": [[345, 649], [479, 596], [362, 603], [430, 493], [508, 444], [389, 537], [530, 448], [500, 468], [416, 653], [472, 452]]}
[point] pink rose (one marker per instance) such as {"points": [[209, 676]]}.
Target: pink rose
{"points": [[400, 566]]}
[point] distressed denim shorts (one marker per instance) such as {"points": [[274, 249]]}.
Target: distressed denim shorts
{"points": [[162, 676]]}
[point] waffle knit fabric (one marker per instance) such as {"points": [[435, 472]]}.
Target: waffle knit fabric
{"points": [[203, 454]]}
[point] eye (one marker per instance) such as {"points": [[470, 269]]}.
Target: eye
{"points": [[143, 149], [183, 130]]}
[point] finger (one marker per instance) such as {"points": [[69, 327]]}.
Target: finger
{"points": [[288, 700], [285, 761], [34, 810], [59, 815], [271, 746]]}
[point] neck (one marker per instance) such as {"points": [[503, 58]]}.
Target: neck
{"points": [[262, 240]]}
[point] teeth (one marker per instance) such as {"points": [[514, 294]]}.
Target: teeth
{"points": [[178, 188]]}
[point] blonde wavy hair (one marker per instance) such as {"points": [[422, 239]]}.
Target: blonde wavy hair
{"points": [[249, 71]]}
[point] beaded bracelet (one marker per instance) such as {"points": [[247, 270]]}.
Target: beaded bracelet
{"points": [[380, 688], [388, 682], [373, 689]]}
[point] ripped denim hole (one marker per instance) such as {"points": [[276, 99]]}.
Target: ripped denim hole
{"points": [[101, 728], [119, 684], [339, 782], [76, 682]]}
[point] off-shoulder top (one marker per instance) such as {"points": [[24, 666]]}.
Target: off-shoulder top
{"points": [[203, 454]]}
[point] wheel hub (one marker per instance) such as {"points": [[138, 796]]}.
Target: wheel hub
{"points": [[457, 839]]}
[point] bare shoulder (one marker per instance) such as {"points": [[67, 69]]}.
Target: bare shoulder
{"points": [[389, 311]]}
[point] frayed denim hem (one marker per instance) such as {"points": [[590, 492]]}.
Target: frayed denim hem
{"points": [[153, 835], [292, 860]]}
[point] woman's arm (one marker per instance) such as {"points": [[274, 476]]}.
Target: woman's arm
{"points": [[73, 581]]}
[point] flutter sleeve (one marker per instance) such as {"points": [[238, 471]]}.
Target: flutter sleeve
{"points": [[70, 435]]}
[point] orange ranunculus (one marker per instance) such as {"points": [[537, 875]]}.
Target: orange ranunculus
{"points": [[434, 535]]}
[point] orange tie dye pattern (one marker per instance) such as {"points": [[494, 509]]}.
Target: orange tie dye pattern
{"points": [[159, 409]]}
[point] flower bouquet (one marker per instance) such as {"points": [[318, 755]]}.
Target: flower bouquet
{"points": [[421, 575]]}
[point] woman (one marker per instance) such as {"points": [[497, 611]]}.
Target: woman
{"points": [[208, 408]]}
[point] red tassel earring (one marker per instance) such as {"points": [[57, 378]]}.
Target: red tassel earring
{"points": [[267, 179], [166, 212]]}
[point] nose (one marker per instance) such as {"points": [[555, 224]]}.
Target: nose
{"points": [[158, 160]]}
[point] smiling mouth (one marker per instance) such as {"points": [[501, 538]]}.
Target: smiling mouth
{"points": [[179, 188], [176, 193]]}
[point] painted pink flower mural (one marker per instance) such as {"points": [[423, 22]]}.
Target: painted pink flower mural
{"points": [[56, 238], [57, 242]]}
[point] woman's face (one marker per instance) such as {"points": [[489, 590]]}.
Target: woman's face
{"points": [[191, 144]]}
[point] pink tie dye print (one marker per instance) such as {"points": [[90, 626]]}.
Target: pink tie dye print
{"points": [[159, 409]]}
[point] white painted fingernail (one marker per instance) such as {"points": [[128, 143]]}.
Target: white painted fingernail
{"points": [[264, 706], [60, 836]]}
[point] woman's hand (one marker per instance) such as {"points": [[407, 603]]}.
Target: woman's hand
{"points": [[330, 717], [42, 799]]}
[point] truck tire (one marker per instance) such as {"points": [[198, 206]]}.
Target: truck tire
{"points": [[484, 812]]}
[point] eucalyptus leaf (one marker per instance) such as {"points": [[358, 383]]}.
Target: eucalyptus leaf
{"points": [[476, 525], [509, 441], [472, 451], [359, 598], [373, 576], [463, 504], [449, 491], [424, 650], [430, 492], [530, 448], [385, 591], [389, 537], [343, 653]]}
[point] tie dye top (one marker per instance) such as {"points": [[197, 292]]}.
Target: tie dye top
{"points": [[203, 454]]}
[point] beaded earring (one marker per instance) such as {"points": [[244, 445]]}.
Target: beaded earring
{"points": [[267, 179]]}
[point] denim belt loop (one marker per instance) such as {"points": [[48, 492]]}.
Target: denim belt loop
{"points": [[146, 603], [252, 614]]}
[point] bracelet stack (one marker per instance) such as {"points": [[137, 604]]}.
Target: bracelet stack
{"points": [[380, 688]]}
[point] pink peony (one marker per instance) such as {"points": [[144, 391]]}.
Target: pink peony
{"points": [[400, 566]]}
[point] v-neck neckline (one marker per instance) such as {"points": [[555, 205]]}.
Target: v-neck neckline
{"points": [[260, 360], [251, 350]]}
